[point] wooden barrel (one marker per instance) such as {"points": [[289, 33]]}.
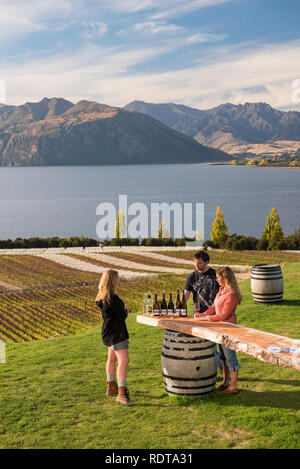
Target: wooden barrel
{"points": [[267, 283], [189, 364]]}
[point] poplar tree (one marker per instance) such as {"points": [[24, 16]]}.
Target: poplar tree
{"points": [[120, 225], [219, 230], [163, 232], [272, 231]]}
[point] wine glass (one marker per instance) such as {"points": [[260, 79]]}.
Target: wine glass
{"points": [[197, 308]]}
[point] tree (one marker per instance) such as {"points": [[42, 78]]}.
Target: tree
{"points": [[219, 230], [163, 232], [120, 225], [272, 231]]}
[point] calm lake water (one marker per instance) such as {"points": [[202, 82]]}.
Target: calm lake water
{"points": [[62, 201]]}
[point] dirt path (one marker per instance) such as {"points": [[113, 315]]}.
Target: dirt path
{"points": [[117, 261], [86, 266]]}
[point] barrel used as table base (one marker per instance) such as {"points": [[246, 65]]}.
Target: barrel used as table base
{"points": [[267, 283], [189, 364]]}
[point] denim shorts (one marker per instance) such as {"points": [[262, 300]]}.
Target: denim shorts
{"points": [[228, 357], [120, 345]]}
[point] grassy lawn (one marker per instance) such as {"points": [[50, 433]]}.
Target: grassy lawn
{"points": [[53, 391]]}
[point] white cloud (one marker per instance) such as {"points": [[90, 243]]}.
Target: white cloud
{"points": [[152, 28], [17, 17], [185, 7], [94, 28], [133, 6], [236, 73], [160, 8]]}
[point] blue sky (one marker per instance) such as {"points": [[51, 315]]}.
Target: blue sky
{"points": [[200, 53]]}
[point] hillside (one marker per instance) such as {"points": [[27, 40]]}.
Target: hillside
{"points": [[250, 127], [54, 390], [58, 132]]}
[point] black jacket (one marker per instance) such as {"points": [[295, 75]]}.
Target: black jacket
{"points": [[114, 328]]}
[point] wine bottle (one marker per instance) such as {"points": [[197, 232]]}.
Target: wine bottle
{"points": [[178, 303], [164, 307], [183, 305], [170, 305], [155, 306], [149, 304]]}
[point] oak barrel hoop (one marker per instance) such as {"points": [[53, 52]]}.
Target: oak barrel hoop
{"points": [[189, 364], [267, 283]]}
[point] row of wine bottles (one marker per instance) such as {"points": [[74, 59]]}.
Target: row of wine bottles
{"points": [[158, 307]]}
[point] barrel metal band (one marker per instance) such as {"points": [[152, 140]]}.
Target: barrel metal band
{"points": [[193, 387], [186, 342], [188, 359], [190, 379], [268, 294], [189, 394], [266, 278], [187, 349]]}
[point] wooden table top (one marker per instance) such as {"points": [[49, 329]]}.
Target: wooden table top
{"points": [[262, 345]]}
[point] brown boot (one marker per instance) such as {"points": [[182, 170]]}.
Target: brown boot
{"points": [[112, 388], [123, 396]]}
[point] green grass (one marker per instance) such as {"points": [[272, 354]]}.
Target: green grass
{"points": [[53, 391]]}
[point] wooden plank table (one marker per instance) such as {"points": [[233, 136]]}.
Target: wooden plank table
{"points": [[239, 338]]}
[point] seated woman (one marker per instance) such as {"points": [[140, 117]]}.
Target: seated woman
{"points": [[223, 309]]}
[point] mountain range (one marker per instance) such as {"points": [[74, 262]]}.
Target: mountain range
{"points": [[57, 132], [251, 127]]}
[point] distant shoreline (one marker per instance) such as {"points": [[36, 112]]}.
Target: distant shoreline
{"points": [[254, 166], [204, 163]]}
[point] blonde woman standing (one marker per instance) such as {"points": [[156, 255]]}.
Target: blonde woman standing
{"points": [[114, 335], [223, 309]]}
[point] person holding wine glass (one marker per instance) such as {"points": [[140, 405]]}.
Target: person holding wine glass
{"points": [[223, 309]]}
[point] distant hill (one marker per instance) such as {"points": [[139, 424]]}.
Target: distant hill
{"points": [[233, 128], [58, 132]]}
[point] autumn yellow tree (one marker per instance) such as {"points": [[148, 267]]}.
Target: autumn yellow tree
{"points": [[163, 232], [120, 225], [219, 230], [272, 231]]}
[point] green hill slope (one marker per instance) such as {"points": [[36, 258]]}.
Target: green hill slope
{"points": [[53, 391]]}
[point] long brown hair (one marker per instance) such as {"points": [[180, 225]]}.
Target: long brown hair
{"points": [[230, 281], [107, 285]]}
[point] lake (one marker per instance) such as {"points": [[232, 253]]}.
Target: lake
{"points": [[62, 201]]}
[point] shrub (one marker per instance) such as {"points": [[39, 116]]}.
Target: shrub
{"points": [[210, 244], [263, 243], [241, 243]]}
